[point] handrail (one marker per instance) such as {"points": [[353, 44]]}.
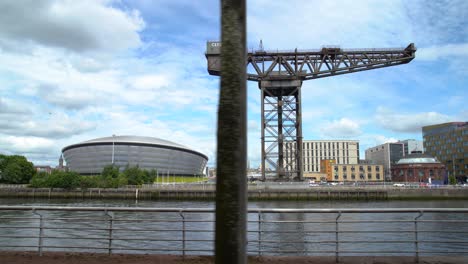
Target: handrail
{"points": [[319, 231], [249, 210]]}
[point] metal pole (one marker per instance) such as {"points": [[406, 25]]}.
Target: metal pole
{"points": [[231, 195], [263, 133], [337, 244], [113, 147], [111, 224], [41, 233], [183, 233], [416, 238]]}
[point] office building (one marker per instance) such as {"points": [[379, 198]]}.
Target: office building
{"points": [[386, 154], [412, 146], [342, 151], [351, 172], [448, 142]]}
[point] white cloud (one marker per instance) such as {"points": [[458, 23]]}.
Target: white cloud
{"points": [[410, 123], [343, 128], [447, 51], [79, 26], [22, 145]]}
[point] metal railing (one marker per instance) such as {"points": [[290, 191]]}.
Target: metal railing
{"points": [[190, 231]]}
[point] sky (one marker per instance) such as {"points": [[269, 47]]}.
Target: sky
{"points": [[72, 71]]}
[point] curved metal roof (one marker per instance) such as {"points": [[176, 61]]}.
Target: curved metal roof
{"points": [[417, 158], [137, 140]]}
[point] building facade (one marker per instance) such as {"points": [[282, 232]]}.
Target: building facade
{"points": [[342, 151], [148, 153], [448, 142], [412, 146], [420, 168], [386, 154], [352, 172]]}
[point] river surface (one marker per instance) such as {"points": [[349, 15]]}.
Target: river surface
{"points": [[281, 234]]}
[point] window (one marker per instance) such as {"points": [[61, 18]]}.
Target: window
{"points": [[378, 177], [369, 168], [361, 176], [369, 176], [377, 168], [345, 176], [353, 176], [336, 177]]}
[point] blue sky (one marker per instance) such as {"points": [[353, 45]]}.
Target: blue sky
{"points": [[76, 70]]}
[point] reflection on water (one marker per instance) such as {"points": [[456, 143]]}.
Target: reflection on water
{"points": [[280, 233]]}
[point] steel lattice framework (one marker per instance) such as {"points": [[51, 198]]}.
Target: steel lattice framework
{"points": [[280, 75]]}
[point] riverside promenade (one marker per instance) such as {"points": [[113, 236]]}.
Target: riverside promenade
{"points": [[276, 191], [80, 258]]}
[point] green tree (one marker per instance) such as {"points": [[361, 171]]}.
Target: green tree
{"points": [[110, 172], [15, 169], [134, 175], [452, 180], [39, 180], [57, 179]]}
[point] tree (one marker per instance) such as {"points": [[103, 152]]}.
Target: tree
{"points": [[15, 169], [110, 172], [57, 179], [452, 180], [134, 175]]}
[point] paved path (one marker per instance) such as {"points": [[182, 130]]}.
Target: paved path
{"points": [[76, 258]]}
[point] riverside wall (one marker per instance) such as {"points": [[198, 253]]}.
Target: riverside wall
{"points": [[208, 193]]}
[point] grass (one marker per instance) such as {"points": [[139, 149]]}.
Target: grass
{"points": [[179, 179]]}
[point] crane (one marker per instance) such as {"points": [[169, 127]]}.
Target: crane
{"points": [[280, 75]]}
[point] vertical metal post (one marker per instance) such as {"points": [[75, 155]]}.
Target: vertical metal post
{"points": [[299, 148], [337, 242], [231, 183], [416, 238], [280, 170], [259, 233], [41, 233], [183, 233], [263, 133], [110, 238]]}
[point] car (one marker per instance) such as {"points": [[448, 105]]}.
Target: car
{"points": [[398, 185]]}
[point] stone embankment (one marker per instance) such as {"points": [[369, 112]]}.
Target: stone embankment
{"points": [[199, 192]]}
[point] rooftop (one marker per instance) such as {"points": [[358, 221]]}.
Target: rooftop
{"points": [[417, 158]]}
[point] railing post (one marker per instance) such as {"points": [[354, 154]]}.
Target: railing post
{"points": [[416, 238], [41, 232], [259, 233], [111, 223], [183, 233], [337, 248]]}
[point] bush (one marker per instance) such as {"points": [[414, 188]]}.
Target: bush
{"points": [[57, 179], [109, 178]]}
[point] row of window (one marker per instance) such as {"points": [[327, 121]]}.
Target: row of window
{"points": [[361, 177], [361, 168]]}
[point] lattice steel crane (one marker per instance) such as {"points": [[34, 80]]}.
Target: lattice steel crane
{"points": [[280, 75]]}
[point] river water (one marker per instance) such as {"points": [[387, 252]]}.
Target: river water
{"points": [[282, 234]]}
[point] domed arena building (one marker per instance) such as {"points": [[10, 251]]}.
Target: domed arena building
{"points": [[90, 157], [420, 168]]}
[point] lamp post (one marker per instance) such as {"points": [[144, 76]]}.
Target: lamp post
{"points": [[113, 148]]}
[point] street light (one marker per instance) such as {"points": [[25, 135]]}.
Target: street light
{"points": [[113, 148]]}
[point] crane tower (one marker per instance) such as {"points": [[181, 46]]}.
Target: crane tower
{"points": [[280, 75]]}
